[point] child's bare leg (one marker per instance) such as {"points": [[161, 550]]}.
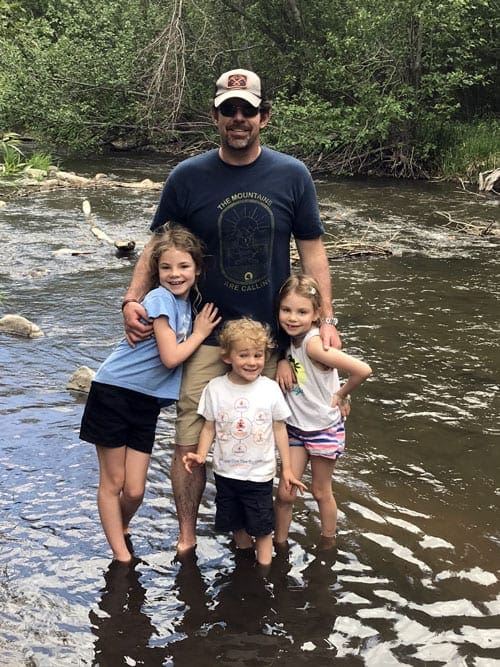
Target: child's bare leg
{"points": [[321, 472], [242, 539], [111, 481], [264, 549], [283, 505], [136, 470]]}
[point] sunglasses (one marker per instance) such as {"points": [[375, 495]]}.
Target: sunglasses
{"points": [[229, 110]]}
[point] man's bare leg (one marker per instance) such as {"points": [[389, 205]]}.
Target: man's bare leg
{"points": [[188, 490]]}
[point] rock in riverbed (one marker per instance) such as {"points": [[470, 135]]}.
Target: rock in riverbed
{"points": [[19, 326]]}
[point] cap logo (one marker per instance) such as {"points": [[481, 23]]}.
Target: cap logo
{"points": [[237, 82]]}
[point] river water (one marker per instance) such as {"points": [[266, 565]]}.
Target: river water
{"points": [[415, 580]]}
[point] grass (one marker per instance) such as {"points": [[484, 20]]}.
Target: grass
{"points": [[469, 149], [12, 159]]}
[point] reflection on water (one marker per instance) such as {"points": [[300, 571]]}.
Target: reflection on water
{"points": [[416, 578], [122, 627]]}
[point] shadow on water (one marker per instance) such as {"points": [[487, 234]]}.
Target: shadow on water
{"points": [[415, 580]]}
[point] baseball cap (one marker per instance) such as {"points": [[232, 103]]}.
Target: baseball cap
{"points": [[238, 83]]}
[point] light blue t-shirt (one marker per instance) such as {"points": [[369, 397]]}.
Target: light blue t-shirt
{"points": [[140, 368]]}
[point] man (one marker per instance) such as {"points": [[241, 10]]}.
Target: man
{"points": [[245, 202]]}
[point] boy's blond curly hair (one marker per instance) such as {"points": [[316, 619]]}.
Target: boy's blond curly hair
{"points": [[245, 333]]}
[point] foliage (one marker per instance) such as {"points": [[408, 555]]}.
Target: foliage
{"points": [[358, 85], [40, 160], [387, 70], [74, 69], [471, 148], [11, 155], [12, 159]]}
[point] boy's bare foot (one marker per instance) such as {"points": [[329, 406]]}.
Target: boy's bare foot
{"points": [[281, 548], [327, 543], [262, 569]]}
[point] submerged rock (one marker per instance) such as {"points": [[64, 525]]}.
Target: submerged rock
{"points": [[81, 379], [19, 326]]}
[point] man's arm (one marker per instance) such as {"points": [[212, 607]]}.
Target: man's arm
{"points": [[133, 312], [314, 262]]}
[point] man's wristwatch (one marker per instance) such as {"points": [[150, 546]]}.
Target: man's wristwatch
{"points": [[329, 320]]}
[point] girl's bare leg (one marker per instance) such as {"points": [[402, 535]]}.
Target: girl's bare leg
{"points": [[283, 505], [111, 481], [136, 470], [321, 473]]}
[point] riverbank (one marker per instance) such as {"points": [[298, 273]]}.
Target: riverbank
{"points": [[462, 152]]}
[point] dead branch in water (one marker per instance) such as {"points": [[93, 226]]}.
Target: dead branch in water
{"points": [[336, 250], [488, 180], [470, 228]]}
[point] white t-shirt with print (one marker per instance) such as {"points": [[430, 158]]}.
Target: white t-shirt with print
{"points": [[244, 415]]}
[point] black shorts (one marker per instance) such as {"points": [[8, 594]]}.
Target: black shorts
{"points": [[114, 417], [242, 504]]}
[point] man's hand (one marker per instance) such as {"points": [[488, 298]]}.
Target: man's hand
{"points": [[330, 336], [135, 317]]}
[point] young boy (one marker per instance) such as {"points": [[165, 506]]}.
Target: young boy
{"points": [[245, 414]]}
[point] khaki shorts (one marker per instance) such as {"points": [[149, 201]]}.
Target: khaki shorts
{"points": [[199, 369]]}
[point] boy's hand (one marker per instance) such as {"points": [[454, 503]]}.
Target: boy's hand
{"points": [[290, 481], [191, 459]]}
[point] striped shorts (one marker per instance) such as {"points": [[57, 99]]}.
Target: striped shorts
{"points": [[329, 443]]}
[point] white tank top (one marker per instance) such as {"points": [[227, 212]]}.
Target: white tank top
{"points": [[310, 400]]}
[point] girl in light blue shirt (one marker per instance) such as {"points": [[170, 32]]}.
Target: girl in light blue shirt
{"points": [[133, 383]]}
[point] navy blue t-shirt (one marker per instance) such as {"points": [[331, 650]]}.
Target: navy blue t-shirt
{"points": [[245, 216]]}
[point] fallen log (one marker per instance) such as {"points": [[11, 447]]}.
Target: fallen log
{"points": [[123, 248], [338, 250], [65, 179]]}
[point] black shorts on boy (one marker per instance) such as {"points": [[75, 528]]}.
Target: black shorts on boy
{"points": [[244, 504]]}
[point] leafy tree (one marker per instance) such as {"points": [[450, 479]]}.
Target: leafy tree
{"points": [[358, 85]]}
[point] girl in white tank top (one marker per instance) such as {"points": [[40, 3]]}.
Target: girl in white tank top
{"points": [[318, 402]]}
